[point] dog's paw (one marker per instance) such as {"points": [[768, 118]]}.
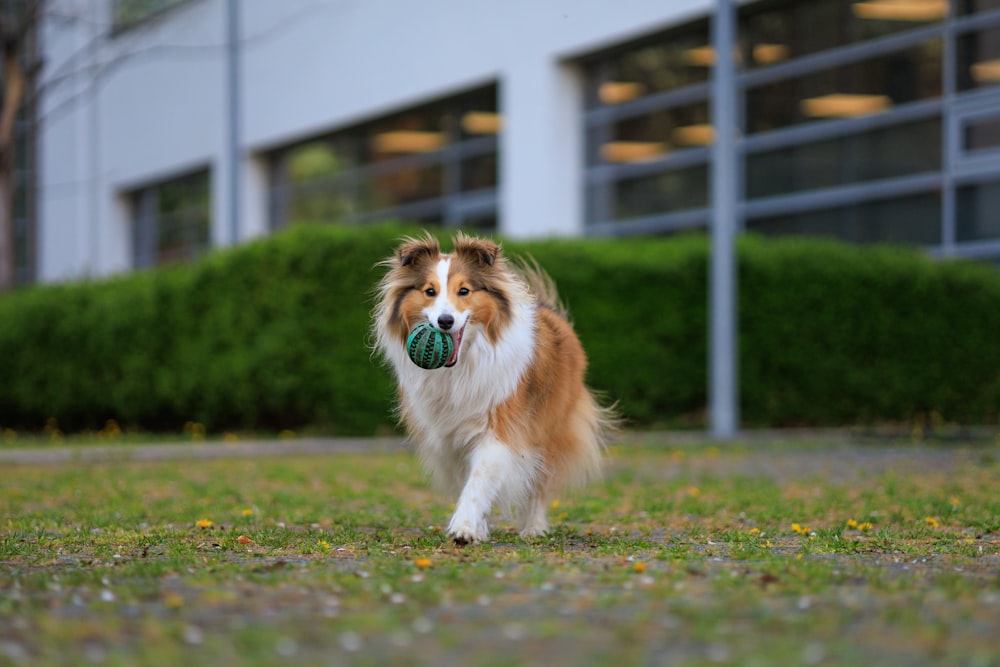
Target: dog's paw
{"points": [[535, 529], [468, 530]]}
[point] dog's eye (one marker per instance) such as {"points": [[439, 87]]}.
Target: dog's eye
{"points": [[430, 291], [464, 291]]}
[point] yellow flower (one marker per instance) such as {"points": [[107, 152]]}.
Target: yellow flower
{"points": [[203, 523], [867, 525], [800, 530], [639, 567], [324, 545], [754, 530], [932, 522], [694, 491], [954, 501], [422, 563], [247, 512], [555, 504], [851, 523]]}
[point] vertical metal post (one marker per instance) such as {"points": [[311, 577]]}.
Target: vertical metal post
{"points": [[951, 139], [723, 362], [233, 106]]}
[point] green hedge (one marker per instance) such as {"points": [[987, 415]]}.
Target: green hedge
{"points": [[273, 334]]}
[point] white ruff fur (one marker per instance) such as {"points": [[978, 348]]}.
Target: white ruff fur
{"points": [[448, 411]]}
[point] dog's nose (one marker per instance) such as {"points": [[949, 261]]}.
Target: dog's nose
{"points": [[446, 321]]}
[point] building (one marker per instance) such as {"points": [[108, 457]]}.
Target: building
{"points": [[170, 126]]}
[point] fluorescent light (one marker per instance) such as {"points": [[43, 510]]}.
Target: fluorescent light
{"points": [[768, 54], [631, 151], [901, 10], [841, 105], [617, 92], [986, 71], [482, 122], [408, 141], [702, 56], [693, 135]]}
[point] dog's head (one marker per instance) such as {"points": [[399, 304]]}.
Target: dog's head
{"points": [[467, 290]]}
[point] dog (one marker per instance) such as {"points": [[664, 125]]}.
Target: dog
{"points": [[508, 422]]}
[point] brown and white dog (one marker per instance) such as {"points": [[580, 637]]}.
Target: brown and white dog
{"points": [[508, 422]]}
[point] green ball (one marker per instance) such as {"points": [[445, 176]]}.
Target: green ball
{"points": [[428, 347]]}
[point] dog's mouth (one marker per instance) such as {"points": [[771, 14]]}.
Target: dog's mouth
{"points": [[456, 339]]}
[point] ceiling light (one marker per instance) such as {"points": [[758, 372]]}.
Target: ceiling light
{"points": [[482, 122], [693, 135], [841, 105], [617, 92], [631, 151], [901, 10], [408, 141], [768, 54], [986, 71], [702, 56]]}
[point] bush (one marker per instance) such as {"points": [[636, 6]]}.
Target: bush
{"points": [[274, 334]]}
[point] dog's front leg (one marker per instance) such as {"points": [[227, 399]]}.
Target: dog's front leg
{"points": [[491, 466]]}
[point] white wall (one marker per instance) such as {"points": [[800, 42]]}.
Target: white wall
{"points": [[310, 66]]}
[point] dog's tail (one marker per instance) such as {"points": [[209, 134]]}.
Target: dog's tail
{"points": [[541, 285]]}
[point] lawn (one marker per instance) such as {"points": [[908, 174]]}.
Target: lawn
{"points": [[749, 554]]}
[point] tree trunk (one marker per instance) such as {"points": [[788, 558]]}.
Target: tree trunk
{"points": [[6, 225], [13, 96]]}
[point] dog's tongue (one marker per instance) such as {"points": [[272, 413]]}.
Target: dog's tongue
{"points": [[456, 340]]}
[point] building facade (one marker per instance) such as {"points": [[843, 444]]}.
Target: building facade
{"points": [[168, 127]]}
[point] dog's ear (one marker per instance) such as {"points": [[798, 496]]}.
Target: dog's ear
{"points": [[482, 251], [413, 251]]}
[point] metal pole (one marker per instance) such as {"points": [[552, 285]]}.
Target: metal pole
{"points": [[233, 107], [723, 363]]}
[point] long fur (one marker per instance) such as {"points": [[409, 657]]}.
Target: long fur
{"points": [[511, 422]]}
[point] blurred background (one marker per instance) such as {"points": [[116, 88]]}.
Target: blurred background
{"points": [[137, 134], [151, 130]]}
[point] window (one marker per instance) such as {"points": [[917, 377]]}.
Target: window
{"points": [[773, 32], [973, 6], [845, 113], [907, 220], [435, 164], [979, 59], [127, 13], [889, 152], [648, 129], [981, 134], [977, 211], [851, 90], [172, 220]]}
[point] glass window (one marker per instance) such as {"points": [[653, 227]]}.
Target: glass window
{"points": [[973, 6], [671, 60], [977, 212], [663, 192], [849, 91], [654, 135], [172, 220], [888, 152], [772, 32], [424, 156], [127, 13], [979, 59], [909, 220], [479, 172], [981, 134]]}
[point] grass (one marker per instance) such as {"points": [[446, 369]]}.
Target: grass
{"points": [[791, 554]]}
